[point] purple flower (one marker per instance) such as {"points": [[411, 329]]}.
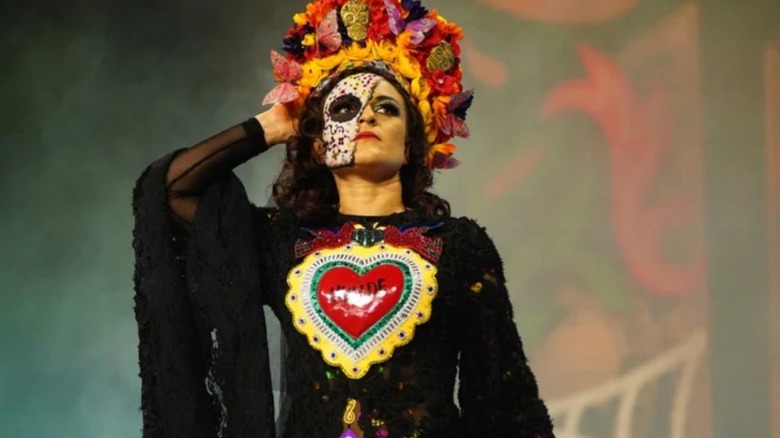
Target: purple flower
{"points": [[292, 44], [416, 10], [460, 111], [293, 41]]}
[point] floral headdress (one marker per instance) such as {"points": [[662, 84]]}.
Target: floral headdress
{"points": [[418, 46]]}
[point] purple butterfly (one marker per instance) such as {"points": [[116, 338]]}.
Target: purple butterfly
{"points": [[418, 27], [444, 161], [455, 123]]}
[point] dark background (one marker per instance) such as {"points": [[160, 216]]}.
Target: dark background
{"points": [[94, 91]]}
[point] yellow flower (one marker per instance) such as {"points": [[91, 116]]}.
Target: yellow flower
{"points": [[300, 19], [419, 89], [356, 53], [407, 66], [425, 109], [312, 75], [404, 40], [308, 40], [384, 50], [331, 62]]}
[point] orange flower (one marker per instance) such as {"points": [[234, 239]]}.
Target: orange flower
{"points": [[440, 109], [441, 148], [317, 10], [444, 148], [452, 30]]}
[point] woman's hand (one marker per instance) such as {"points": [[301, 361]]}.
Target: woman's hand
{"points": [[277, 124]]}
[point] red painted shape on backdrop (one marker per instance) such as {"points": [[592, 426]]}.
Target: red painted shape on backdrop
{"points": [[564, 11], [512, 174], [487, 70], [637, 133]]}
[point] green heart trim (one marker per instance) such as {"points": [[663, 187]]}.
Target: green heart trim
{"points": [[357, 343]]}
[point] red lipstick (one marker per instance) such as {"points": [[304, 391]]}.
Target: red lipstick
{"points": [[366, 134]]}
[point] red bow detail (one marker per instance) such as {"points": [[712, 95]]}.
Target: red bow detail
{"points": [[324, 239], [429, 248]]}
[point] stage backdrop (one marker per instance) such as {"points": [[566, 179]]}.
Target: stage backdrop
{"points": [[624, 156]]}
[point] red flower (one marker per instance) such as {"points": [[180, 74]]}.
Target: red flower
{"points": [[455, 49], [379, 27], [432, 38], [444, 83]]}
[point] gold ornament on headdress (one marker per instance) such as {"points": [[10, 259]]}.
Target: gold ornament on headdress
{"points": [[442, 57], [355, 16], [419, 47]]}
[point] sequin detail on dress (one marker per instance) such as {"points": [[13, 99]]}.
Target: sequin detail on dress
{"points": [[357, 303]]}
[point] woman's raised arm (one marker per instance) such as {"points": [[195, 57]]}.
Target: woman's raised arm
{"points": [[193, 169]]}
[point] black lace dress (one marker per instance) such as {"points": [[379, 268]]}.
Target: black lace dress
{"points": [[202, 282]]}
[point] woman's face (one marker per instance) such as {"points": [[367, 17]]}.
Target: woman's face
{"points": [[364, 124]]}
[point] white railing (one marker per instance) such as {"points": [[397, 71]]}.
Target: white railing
{"points": [[684, 358]]}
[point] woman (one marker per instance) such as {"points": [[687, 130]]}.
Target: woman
{"points": [[383, 298]]}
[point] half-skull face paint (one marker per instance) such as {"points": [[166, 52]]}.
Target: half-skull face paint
{"points": [[342, 109]]}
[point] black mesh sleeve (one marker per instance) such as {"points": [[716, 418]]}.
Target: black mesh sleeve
{"points": [[194, 169]]}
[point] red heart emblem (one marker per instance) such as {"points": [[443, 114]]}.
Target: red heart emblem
{"points": [[356, 302]]}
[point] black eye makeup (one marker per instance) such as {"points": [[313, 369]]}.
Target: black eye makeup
{"points": [[344, 108], [387, 106]]}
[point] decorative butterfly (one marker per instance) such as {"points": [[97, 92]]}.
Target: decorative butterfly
{"points": [[328, 32], [287, 72], [418, 27], [455, 123], [444, 161]]}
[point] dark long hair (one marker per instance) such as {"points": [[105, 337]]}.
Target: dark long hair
{"points": [[308, 188]]}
